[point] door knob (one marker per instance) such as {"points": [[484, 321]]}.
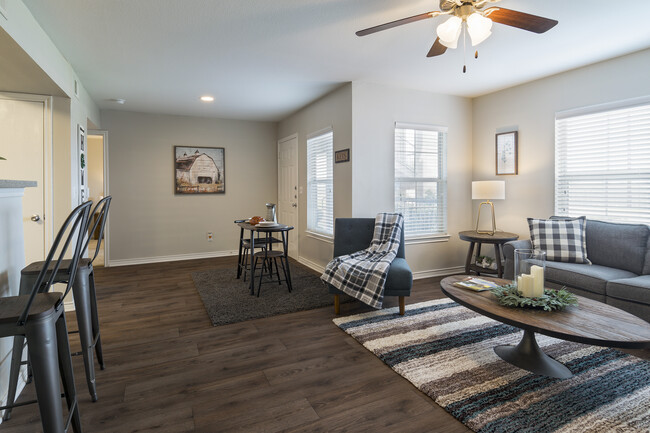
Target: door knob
{"points": [[35, 218], [294, 205]]}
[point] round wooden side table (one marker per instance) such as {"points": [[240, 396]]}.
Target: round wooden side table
{"points": [[475, 238]]}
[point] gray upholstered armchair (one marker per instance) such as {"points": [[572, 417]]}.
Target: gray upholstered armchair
{"points": [[355, 234]]}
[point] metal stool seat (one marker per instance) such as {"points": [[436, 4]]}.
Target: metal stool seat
{"points": [[39, 318], [84, 293]]}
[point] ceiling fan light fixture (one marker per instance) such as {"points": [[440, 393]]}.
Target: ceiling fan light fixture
{"points": [[479, 28], [449, 31]]}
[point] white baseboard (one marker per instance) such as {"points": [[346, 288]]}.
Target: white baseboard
{"points": [[416, 275], [310, 264], [174, 258], [313, 265], [438, 272]]}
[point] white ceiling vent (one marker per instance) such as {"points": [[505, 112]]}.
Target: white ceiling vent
{"points": [[3, 9]]}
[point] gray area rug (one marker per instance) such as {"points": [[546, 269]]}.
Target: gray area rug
{"points": [[228, 300], [447, 352]]}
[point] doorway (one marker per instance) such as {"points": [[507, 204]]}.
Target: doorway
{"points": [[26, 144], [97, 163], [288, 188]]}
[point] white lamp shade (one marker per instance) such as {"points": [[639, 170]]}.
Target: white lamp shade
{"points": [[479, 28], [489, 190], [449, 31]]}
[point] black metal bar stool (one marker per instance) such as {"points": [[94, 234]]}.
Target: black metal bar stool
{"points": [[270, 257], [85, 298], [244, 247], [39, 318]]}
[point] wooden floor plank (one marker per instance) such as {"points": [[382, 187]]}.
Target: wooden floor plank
{"points": [[169, 370]]}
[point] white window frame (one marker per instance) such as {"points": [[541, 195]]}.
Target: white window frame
{"points": [[440, 235], [602, 162], [316, 227]]}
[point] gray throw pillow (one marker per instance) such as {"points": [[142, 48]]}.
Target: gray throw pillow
{"points": [[563, 240]]}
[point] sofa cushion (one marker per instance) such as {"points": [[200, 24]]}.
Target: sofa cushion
{"points": [[591, 278], [616, 245], [635, 289], [563, 240]]}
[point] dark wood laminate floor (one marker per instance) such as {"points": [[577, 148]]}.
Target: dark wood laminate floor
{"points": [[169, 370]]}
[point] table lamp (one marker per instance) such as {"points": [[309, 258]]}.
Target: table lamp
{"points": [[488, 190]]}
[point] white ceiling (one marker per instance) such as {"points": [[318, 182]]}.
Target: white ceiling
{"points": [[264, 59]]}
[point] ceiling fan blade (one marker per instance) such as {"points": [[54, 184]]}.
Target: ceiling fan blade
{"points": [[532, 23], [396, 23], [437, 49]]}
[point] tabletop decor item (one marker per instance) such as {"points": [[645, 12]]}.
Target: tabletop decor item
{"points": [[550, 300], [488, 190], [529, 272]]}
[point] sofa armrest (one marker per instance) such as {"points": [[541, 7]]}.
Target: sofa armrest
{"points": [[509, 255]]}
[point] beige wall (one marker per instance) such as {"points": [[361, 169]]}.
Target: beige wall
{"points": [[530, 109], [61, 161], [335, 110], [376, 108], [148, 221], [67, 113], [95, 161]]}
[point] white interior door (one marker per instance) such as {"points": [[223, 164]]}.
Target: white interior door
{"points": [[288, 189], [22, 139]]}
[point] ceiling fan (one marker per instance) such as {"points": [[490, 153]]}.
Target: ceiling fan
{"points": [[471, 17]]}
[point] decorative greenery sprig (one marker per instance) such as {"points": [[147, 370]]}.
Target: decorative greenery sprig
{"points": [[4, 159], [509, 296]]}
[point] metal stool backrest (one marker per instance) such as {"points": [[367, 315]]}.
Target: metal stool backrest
{"points": [[100, 208], [74, 225]]}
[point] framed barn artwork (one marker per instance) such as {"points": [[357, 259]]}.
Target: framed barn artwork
{"points": [[199, 170]]}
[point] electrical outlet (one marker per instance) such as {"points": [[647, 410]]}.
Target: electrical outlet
{"points": [[209, 236]]}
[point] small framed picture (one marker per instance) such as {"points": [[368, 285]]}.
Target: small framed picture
{"points": [[506, 153], [342, 155]]}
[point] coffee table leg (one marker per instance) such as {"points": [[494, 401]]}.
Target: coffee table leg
{"points": [[528, 355]]}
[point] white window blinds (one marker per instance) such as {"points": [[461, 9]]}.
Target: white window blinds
{"points": [[320, 196], [602, 163], [421, 178]]}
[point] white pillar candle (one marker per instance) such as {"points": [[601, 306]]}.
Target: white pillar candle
{"points": [[538, 280], [527, 283], [519, 283]]}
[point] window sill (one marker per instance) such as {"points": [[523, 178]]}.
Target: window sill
{"points": [[320, 237], [427, 239]]}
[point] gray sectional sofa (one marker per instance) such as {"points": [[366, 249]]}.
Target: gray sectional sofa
{"points": [[620, 271]]}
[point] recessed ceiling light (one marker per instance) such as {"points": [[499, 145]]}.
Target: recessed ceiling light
{"points": [[207, 98], [118, 101]]}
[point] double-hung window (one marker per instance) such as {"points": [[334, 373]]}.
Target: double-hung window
{"points": [[320, 183], [421, 179], [602, 162]]}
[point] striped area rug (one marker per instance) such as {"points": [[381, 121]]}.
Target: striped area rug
{"points": [[446, 351]]}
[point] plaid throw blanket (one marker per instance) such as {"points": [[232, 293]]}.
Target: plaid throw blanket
{"points": [[363, 274]]}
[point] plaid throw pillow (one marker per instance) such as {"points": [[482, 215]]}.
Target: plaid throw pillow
{"points": [[563, 240]]}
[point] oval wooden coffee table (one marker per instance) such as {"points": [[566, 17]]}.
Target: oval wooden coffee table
{"points": [[589, 322]]}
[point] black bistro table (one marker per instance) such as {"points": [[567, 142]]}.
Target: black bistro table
{"points": [[267, 241]]}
